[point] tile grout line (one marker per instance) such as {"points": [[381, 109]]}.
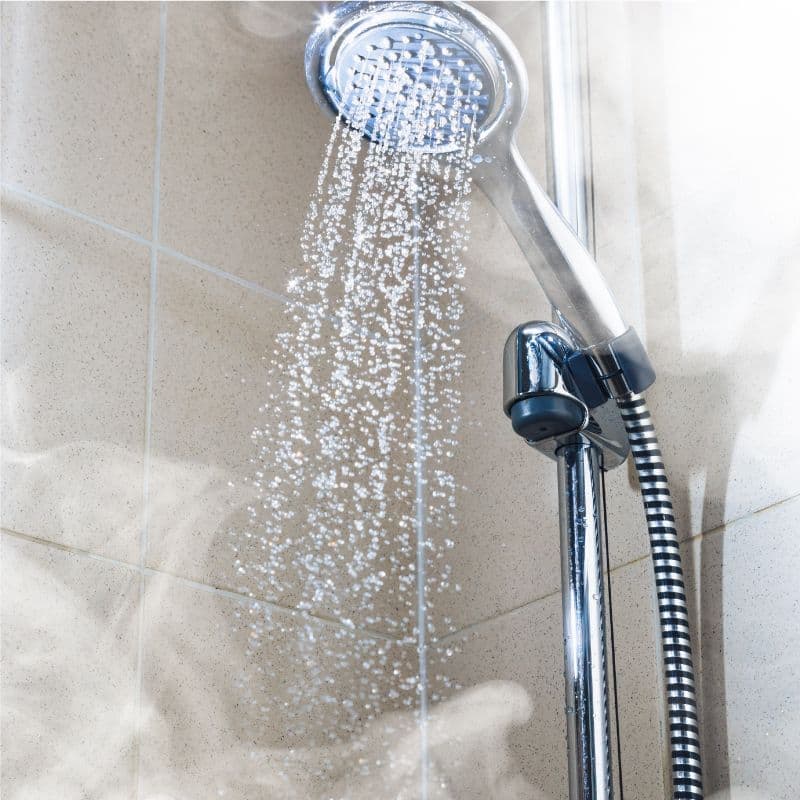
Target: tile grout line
{"points": [[645, 557], [229, 276], [539, 599], [135, 237], [419, 502], [290, 610], [48, 203], [151, 346], [163, 249], [449, 637], [208, 588]]}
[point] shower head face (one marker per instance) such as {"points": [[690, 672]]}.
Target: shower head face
{"points": [[416, 76]]}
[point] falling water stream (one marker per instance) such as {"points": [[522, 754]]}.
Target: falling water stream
{"points": [[352, 479]]}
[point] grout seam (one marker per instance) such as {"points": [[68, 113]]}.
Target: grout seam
{"points": [[645, 557], [754, 513], [447, 638], [419, 502], [151, 571], [45, 201], [148, 414], [229, 594], [229, 276], [162, 249], [150, 244]]}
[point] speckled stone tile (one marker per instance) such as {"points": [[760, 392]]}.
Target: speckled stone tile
{"points": [[74, 316], [509, 740], [505, 679], [306, 711], [745, 599], [639, 677], [243, 140], [212, 389], [69, 635], [79, 105], [207, 389], [505, 492], [723, 338]]}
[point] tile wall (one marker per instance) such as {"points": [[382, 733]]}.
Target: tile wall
{"points": [[695, 158], [157, 165]]}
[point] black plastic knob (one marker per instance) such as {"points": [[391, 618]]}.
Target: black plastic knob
{"points": [[544, 416]]}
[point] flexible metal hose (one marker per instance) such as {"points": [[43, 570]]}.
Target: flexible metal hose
{"points": [[684, 731]]}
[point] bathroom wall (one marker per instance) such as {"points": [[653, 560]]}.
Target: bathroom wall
{"points": [[157, 165], [695, 167]]}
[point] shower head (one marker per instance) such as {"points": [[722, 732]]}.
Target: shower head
{"points": [[398, 53], [425, 77]]}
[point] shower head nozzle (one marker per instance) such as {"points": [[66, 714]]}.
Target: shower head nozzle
{"points": [[376, 64]]}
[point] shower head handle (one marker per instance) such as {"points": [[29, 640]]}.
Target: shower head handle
{"points": [[569, 276]]}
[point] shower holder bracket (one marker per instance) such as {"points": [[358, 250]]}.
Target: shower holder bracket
{"points": [[616, 368], [554, 397]]}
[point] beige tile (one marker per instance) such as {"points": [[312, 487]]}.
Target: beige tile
{"points": [[691, 90], [79, 105], [505, 677], [74, 363], [644, 753], [243, 703], [745, 600], [243, 140], [207, 388], [699, 241], [510, 740], [215, 370], [614, 147], [722, 334], [668, 122], [627, 67], [70, 626], [505, 496]]}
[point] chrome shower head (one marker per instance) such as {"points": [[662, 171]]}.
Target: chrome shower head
{"points": [[398, 58], [428, 76]]}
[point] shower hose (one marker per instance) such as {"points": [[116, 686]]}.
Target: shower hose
{"points": [[687, 775]]}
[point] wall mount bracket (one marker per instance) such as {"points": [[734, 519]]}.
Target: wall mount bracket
{"points": [[553, 396]]}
